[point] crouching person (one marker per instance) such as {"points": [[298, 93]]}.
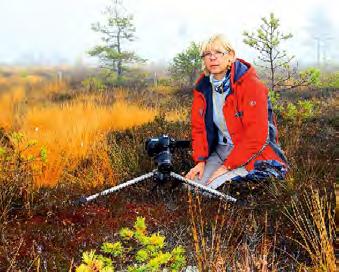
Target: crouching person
{"points": [[234, 135]]}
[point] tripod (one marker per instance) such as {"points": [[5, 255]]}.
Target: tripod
{"points": [[159, 176], [161, 148]]}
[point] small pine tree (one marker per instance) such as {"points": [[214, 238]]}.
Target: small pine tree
{"points": [[136, 251], [267, 40], [186, 65], [118, 30]]}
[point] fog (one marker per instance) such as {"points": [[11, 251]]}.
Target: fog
{"points": [[57, 32]]}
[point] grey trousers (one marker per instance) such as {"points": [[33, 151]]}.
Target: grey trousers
{"points": [[214, 161]]}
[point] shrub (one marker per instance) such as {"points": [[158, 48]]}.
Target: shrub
{"points": [[93, 83], [275, 100], [137, 251], [330, 80], [18, 165], [298, 111]]}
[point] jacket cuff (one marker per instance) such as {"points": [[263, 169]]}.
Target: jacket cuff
{"points": [[200, 159]]}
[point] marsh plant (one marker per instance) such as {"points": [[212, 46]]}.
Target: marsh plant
{"points": [[136, 251], [19, 164]]}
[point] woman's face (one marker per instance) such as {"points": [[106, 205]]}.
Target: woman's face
{"points": [[217, 60]]}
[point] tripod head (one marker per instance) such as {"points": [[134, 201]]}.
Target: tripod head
{"points": [[162, 148]]}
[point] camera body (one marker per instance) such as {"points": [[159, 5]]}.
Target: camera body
{"points": [[161, 148]]}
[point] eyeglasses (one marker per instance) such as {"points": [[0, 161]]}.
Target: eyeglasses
{"points": [[216, 54]]}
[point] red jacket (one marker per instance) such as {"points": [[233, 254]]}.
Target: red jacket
{"points": [[248, 115]]}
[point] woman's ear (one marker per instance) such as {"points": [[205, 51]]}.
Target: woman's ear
{"points": [[231, 59], [232, 54]]}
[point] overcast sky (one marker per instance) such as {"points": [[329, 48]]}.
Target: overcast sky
{"points": [[57, 31]]}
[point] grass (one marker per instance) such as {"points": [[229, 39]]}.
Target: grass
{"points": [[76, 128], [96, 139], [212, 240], [70, 130], [312, 217], [9, 105]]}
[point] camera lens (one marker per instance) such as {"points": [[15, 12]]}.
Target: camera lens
{"points": [[163, 160]]}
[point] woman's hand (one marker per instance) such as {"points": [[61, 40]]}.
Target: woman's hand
{"points": [[196, 170], [219, 172]]}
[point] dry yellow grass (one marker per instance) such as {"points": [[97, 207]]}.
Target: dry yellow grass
{"points": [[3, 80], [315, 224], [163, 89], [177, 115], [17, 80], [71, 131], [33, 79], [9, 103]]}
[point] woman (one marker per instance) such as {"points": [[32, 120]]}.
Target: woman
{"points": [[233, 133]]}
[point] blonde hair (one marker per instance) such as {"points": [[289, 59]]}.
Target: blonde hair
{"points": [[216, 41]]}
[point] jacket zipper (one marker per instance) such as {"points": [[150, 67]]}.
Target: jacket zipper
{"points": [[203, 118]]}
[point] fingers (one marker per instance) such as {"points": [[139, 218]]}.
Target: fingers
{"points": [[219, 172], [213, 177], [210, 180], [190, 175], [201, 167], [201, 174], [197, 170]]}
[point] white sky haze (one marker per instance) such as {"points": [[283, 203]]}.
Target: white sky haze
{"points": [[51, 32]]}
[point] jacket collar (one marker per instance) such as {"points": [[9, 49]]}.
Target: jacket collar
{"points": [[239, 70]]}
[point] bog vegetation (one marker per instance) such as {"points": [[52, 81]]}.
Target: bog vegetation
{"points": [[60, 140], [66, 133]]}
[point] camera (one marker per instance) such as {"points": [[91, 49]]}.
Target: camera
{"points": [[161, 148]]}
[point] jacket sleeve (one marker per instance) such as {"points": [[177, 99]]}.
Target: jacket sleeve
{"points": [[199, 137], [255, 123]]}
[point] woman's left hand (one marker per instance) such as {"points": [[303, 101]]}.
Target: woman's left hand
{"points": [[220, 171]]}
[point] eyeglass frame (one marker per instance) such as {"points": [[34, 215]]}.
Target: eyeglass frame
{"points": [[216, 54]]}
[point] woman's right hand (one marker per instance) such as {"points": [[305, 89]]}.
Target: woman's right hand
{"points": [[196, 170]]}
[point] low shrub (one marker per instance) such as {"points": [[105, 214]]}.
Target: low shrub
{"points": [[136, 251]]}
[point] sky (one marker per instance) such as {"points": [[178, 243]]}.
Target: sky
{"points": [[54, 32]]}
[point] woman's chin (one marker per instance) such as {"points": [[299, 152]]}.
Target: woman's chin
{"points": [[215, 71], [218, 73]]}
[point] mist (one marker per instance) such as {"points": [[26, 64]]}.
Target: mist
{"points": [[38, 32]]}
